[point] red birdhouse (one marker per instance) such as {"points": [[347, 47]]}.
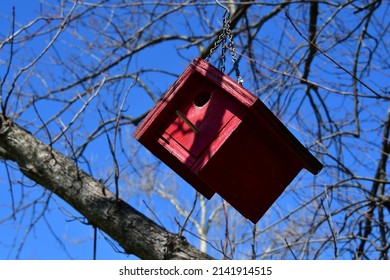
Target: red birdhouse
{"points": [[222, 139]]}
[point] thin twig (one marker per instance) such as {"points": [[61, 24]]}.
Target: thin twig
{"points": [[253, 245], [189, 215], [22, 70], [329, 220], [42, 121], [207, 242], [334, 61], [94, 242], [3, 107], [11, 190], [113, 154], [289, 247], [227, 237], [113, 145], [153, 213], [75, 117], [380, 175]]}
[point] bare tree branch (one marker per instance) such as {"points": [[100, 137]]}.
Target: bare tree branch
{"points": [[123, 223]]}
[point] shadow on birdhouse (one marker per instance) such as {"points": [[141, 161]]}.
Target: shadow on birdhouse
{"points": [[222, 139]]}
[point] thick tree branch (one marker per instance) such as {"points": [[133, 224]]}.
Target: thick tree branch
{"points": [[312, 36], [136, 233]]}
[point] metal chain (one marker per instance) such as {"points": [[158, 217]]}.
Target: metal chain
{"points": [[233, 50], [222, 38], [223, 51]]}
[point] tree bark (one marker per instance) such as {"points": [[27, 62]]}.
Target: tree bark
{"points": [[136, 233]]}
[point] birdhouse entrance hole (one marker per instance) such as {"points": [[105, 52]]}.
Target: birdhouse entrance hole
{"points": [[202, 98]]}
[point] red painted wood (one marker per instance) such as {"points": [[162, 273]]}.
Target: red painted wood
{"points": [[221, 138], [265, 169], [209, 119]]}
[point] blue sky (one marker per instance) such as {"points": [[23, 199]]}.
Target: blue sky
{"points": [[58, 235]]}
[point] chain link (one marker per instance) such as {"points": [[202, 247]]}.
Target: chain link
{"points": [[223, 53], [222, 38]]}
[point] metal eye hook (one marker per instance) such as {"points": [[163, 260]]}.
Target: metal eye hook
{"points": [[219, 4]]}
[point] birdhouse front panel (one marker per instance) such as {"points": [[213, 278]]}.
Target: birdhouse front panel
{"points": [[205, 113], [221, 138]]}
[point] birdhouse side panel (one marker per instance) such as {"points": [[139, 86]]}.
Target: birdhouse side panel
{"points": [[252, 169], [281, 132]]}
